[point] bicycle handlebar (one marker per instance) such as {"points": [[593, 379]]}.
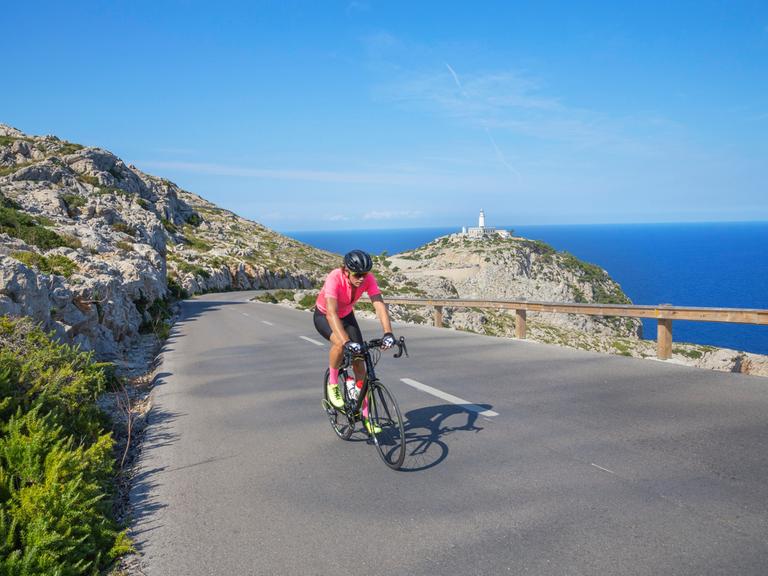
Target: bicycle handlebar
{"points": [[377, 343]]}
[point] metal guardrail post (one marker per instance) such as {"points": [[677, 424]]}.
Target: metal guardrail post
{"points": [[439, 316], [520, 323], [664, 339]]}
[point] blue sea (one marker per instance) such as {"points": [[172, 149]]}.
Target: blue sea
{"points": [[723, 265]]}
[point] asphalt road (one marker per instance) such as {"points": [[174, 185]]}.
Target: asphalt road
{"points": [[574, 463]]}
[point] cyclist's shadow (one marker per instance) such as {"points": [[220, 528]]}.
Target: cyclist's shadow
{"points": [[425, 429]]}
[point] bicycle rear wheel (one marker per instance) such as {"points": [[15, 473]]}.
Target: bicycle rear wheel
{"points": [[339, 421], [384, 413]]}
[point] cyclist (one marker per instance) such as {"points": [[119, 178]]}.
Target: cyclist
{"points": [[335, 318]]}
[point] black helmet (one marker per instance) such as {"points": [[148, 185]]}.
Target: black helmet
{"points": [[358, 261]]}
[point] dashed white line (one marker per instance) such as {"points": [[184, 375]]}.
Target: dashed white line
{"points": [[267, 323], [449, 397], [315, 342], [603, 469], [244, 314]]}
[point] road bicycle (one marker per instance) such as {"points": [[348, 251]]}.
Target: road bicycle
{"points": [[386, 423]]}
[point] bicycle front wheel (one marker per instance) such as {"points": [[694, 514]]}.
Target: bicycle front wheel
{"points": [[386, 425]]}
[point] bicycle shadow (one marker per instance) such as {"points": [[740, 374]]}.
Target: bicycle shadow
{"points": [[425, 429]]}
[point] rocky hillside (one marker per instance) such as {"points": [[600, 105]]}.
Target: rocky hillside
{"points": [[496, 268], [92, 248]]}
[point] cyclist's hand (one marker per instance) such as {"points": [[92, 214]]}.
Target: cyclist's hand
{"points": [[353, 347], [388, 341]]}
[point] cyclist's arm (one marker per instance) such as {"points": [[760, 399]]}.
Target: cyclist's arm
{"points": [[332, 314], [381, 312]]}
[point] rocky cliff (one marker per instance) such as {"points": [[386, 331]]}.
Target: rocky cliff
{"points": [[92, 248], [497, 268]]}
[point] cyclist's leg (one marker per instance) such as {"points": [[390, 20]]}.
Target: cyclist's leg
{"points": [[353, 331], [336, 352], [335, 355]]}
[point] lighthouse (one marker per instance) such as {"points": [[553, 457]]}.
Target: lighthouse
{"points": [[483, 231]]}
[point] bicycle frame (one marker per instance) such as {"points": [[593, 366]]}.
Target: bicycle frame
{"points": [[370, 367]]}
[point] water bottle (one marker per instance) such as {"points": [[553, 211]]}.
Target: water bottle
{"points": [[352, 390]]}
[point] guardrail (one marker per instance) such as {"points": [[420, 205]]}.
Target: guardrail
{"points": [[664, 313]]}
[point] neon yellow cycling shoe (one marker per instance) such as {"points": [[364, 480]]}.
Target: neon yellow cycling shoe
{"points": [[372, 428], [334, 395]]}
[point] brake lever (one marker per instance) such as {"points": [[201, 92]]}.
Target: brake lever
{"points": [[401, 348]]}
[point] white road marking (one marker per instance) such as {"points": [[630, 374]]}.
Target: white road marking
{"points": [[267, 323], [449, 397], [603, 469], [244, 314], [315, 342]]}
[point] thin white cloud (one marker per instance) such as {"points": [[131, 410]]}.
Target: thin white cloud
{"points": [[391, 215], [510, 102], [338, 218], [388, 177], [405, 177]]}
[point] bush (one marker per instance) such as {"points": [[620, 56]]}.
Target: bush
{"points": [[176, 290], [56, 459], [159, 312], [54, 264], [69, 148], [308, 301], [18, 224], [194, 220], [124, 228], [73, 203]]}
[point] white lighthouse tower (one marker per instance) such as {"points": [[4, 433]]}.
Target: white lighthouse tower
{"points": [[482, 231]]}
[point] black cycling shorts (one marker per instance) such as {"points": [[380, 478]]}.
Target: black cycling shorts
{"points": [[348, 322]]}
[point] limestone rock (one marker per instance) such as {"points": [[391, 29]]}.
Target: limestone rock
{"points": [[122, 235]]}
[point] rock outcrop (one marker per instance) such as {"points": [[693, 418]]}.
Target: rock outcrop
{"points": [[91, 247], [497, 268]]}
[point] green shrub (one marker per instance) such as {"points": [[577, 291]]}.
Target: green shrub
{"points": [[19, 224], [5, 170], [308, 301], [159, 312], [266, 297], [56, 459], [69, 148], [73, 203], [176, 290], [169, 226], [7, 140], [197, 243], [92, 180], [194, 220], [54, 264], [124, 228]]}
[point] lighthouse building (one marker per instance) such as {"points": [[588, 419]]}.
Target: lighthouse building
{"points": [[481, 230]]}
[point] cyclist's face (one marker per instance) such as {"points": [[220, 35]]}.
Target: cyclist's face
{"points": [[356, 279]]}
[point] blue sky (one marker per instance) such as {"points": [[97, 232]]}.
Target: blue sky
{"points": [[372, 114]]}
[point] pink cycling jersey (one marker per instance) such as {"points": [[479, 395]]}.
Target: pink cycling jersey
{"points": [[338, 286]]}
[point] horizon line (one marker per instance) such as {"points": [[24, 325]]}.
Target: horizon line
{"points": [[504, 227]]}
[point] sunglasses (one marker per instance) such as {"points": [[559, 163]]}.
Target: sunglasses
{"points": [[358, 275]]}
